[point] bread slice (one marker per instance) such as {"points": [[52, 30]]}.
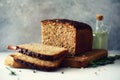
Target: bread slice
{"points": [[10, 61], [43, 52], [84, 59], [73, 35], [34, 63]]}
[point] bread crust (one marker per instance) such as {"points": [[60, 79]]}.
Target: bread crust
{"points": [[78, 25]]}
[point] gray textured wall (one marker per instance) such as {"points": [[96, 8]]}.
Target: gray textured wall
{"points": [[20, 19]]}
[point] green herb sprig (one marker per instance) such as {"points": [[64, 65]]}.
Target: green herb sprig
{"points": [[104, 61], [11, 72]]}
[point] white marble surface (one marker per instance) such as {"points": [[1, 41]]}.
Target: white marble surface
{"points": [[107, 72]]}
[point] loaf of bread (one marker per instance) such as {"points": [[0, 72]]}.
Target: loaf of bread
{"points": [[39, 51], [35, 63], [84, 59], [75, 36]]}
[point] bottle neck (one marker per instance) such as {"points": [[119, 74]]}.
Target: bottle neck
{"points": [[99, 26]]}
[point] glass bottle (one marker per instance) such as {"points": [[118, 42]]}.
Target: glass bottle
{"points": [[100, 35]]}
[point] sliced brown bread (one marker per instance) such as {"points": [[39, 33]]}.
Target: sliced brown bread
{"points": [[84, 59], [34, 63], [75, 62], [73, 35], [43, 52]]}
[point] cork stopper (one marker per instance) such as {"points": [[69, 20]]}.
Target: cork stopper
{"points": [[99, 17]]}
